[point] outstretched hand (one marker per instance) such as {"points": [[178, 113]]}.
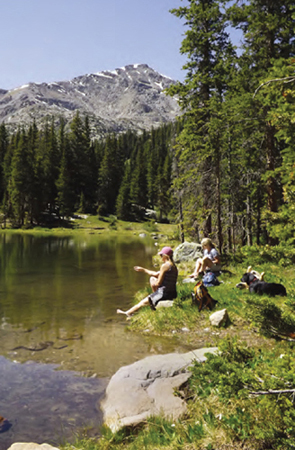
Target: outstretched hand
{"points": [[139, 269]]}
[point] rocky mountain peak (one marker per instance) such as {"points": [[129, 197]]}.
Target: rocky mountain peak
{"points": [[130, 97]]}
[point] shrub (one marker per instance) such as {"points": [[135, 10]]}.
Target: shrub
{"points": [[255, 254]]}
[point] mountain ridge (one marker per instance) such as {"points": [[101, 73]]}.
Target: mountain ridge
{"points": [[130, 97]]}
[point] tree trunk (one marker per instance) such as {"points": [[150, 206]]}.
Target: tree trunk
{"points": [[218, 188], [181, 220], [259, 205], [271, 184], [249, 217]]}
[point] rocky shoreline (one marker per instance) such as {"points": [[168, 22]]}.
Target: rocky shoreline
{"points": [[142, 389]]}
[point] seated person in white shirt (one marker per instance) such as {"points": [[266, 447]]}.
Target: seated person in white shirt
{"points": [[210, 261]]}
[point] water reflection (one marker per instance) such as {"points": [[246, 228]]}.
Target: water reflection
{"points": [[59, 298], [58, 301]]}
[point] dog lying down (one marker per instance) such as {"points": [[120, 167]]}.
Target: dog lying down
{"points": [[254, 282]]}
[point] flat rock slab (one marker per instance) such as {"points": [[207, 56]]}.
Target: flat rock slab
{"points": [[146, 388], [31, 446]]}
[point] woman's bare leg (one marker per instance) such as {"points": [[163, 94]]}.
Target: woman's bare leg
{"points": [[197, 268], [206, 263], [134, 308]]}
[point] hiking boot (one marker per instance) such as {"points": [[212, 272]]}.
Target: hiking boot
{"points": [[152, 306]]}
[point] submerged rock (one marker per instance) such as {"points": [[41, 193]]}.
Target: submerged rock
{"points": [[4, 424], [146, 388]]}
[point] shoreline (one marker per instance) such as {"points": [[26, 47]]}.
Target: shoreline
{"points": [[94, 225]]}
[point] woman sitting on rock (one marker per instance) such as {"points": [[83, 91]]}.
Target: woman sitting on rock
{"points": [[210, 260], [163, 283]]}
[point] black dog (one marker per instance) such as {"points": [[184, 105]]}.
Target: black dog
{"points": [[261, 287]]}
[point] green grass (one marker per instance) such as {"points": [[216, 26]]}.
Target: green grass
{"points": [[170, 321], [222, 412], [95, 224]]}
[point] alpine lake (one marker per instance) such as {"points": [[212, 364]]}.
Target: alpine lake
{"points": [[60, 336]]}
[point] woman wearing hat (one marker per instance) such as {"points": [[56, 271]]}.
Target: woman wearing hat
{"points": [[163, 283]]}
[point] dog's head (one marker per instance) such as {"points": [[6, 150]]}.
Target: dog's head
{"points": [[249, 277], [246, 280], [258, 275]]}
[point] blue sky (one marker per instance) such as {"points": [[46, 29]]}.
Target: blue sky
{"points": [[54, 40]]}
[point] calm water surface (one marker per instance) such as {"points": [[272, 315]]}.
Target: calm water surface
{"points": [[58, 301]]}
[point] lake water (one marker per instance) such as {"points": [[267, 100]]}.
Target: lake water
{"points": [[58, 301]]}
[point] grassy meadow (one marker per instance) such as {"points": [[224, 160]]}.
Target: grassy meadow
{"points": [[95, 224], [242, 398]]}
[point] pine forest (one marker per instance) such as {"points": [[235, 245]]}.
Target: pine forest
{"points": [[225, 169]]}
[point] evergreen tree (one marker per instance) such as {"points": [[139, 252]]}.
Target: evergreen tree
{"points": [[138, 184], [268, 28], [211, 56], [51, 164], [65, 196], [3, 151], [164, 195], [279, 89], [150, 175], [123, 203], [36, 182], [79, 143], [21, 172], [109, 178]]}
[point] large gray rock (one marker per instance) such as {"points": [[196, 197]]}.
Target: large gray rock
{"points": [[219, 318], [188, 251], [31, 446], [146, 388]]}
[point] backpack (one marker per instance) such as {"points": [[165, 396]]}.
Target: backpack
{"points": [[201, 297], [210, 279]]}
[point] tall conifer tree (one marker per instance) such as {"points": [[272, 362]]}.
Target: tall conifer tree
{"points": [[268, 27], [21, 172], [210, 56], [3, 151]]}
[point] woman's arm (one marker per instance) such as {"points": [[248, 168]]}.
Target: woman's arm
{"points": [[215, 256], [164, 268], [152, 273], [216, 259]]}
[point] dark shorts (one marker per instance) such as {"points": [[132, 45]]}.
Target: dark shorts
{"points": [[161, 294]]}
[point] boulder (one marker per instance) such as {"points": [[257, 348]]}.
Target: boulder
{"points": [[188, 251], [165, 304], [146, 388], [219, 318], [31, 446]]}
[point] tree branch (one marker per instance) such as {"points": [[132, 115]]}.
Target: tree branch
{"points": [[274, 391], [284, 80]]}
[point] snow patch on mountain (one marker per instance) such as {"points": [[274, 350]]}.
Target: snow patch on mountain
{"points": [[130, 97]]}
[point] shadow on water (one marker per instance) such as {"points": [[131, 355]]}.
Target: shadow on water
{"points": [[47, 405], [58, 302]]}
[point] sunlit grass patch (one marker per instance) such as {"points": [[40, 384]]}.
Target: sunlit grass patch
{"points": [[188, 324], [223, 413]]}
